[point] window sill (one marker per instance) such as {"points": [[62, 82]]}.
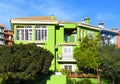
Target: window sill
{"points": [[68, 44]]}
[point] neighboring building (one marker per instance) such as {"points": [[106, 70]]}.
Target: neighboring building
{"points": [[118, 40], [8, 35], [2, 40], [60, 37], [107, 36]]}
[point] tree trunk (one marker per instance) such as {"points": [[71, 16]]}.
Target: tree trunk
{"points": [[98, 75], [113, 80]]}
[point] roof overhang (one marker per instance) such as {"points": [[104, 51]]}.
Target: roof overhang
{"points": [[108, 32], [34, 22], [89, 26]]}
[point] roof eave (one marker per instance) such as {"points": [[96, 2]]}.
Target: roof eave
{"points": [[89, 26], [34, 22]]}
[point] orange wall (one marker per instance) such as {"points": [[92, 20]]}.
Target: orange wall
{"points": [[118, 40]]}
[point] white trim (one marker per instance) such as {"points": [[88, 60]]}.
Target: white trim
{"points": [[89, 26], [41, 31], [90, 33], [34, 22], [73, 66], [69, 53], [84, 33], [24, 33]]}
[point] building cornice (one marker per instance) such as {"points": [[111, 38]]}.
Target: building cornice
{"points": [[34, 22], [89, 26]]}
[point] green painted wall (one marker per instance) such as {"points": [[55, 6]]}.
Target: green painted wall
{"points": [[50, 44], [70, 25], [57, 79], [56, 38]]}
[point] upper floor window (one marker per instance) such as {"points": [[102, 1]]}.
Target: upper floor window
{"points": [[1, 29], [67, 53], [41, 32], [90, 35], [24, 32]]}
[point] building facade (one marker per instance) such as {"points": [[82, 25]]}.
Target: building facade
{"points": [[60, 37], [2, 40], [8, 36], [118, 39]]}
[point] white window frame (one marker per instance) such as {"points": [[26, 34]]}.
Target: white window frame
{"points": [[84, 34], [69, 54], [22, 35], [41, 33], [73, 67], [90, 32]]}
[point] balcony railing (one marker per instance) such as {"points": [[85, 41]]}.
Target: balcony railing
{"points": [[65, 59]]}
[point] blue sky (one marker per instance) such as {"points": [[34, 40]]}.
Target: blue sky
{"points": [[106, 11]]}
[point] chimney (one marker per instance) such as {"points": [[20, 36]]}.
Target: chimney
{"points": [[101, 25], [114, 29], [82, 21], [87, 20], [53, 17]]}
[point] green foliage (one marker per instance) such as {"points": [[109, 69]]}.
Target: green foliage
{"points": [[70, 81], [87, 54], [63, 71], [24, 62], [84, 81], [110, 60]]}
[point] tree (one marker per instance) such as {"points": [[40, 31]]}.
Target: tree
{"points": [[110, 61], [87, 55], [24, 62]]}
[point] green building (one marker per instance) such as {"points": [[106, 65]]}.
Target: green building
{"points": [[60, 37]]}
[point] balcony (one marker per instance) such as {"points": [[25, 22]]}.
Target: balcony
{"points": [[65, 58], [8, 33], [70, 37], [2, 43]]}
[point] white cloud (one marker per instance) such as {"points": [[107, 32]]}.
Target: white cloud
{"points": [[58, 9], [23, 8]]}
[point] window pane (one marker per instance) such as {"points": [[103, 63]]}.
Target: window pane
{"points": [[26, 34], [22, 34], [41, 33], [18, 34]]}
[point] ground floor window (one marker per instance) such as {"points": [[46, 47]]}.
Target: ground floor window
{"points": [[71, 67]]}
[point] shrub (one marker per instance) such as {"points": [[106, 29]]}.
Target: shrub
{"points": [[84, 81]]}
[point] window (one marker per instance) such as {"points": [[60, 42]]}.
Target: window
{"points": [[24, 33], [90, 35], [68, 67], [67, 53], [66, 38], [71, 67], [41, 32], [1, 29]]}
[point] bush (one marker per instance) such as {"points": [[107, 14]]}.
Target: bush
{"points": [[65, 72], [23, 62], [84, 81]]}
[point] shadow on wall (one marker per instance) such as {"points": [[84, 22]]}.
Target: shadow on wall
{"points": [[41, 80]]}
